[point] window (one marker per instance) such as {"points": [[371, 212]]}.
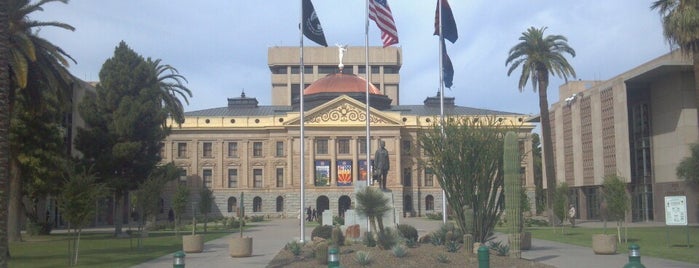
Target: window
{"points": [[321, 146], [374, 70], [232, 178], [390, 70], [280, 177], [257, 149], [232, 204], [280, 148], [207, 177], [361, 144], [257, 204], [343, 146], [207, 150], [280, 204], [181, 149], [257, 178], [407, 177], [233, 149], [429, 176], [429, 202], [407, 146], [183, 176], [327, 69]]}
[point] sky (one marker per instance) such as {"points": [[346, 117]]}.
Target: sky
{"points": [[220, 46]]}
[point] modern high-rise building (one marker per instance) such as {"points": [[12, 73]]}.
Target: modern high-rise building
{"points": [[246, 147], [638, 125]]}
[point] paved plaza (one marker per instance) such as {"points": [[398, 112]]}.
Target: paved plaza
{"points": [[269, 238]]}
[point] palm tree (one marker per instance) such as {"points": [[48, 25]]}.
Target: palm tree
{"points": [[36, 64], [680, 19], [171, 85], [373, 204], [4, 128], [539, 56]]}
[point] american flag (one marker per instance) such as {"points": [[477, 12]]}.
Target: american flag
{"points": [[380, 13]]}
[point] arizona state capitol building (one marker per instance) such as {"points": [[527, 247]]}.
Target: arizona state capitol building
{"points": [[245, 147]]}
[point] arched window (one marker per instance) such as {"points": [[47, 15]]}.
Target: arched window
{"points": [[232, 204], [280, 204], [257, 204], [429, 202]]}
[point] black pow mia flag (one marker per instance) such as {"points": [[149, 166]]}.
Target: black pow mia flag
{"points": [[311, 24]]}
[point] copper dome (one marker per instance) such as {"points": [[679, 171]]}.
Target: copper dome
{"points": [[340, 83]]}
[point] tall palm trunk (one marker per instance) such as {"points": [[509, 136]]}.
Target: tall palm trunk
{"points": [[4, 130], [15, 202], [695, 58], [549, 171]]}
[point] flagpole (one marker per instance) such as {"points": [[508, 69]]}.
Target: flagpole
{"points": [[369, 167], [301, 134], [441, 104]]}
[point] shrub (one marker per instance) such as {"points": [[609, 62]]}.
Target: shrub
{"points": [[387, 238], [322, 231], [369, 240], [337, 220], [399, 251], [294, 247], [257, 218], [411, 243], [441, 258], [499, 248], [407, 231], [452, 246], [434, 216], [338, 238], [362, 258]]}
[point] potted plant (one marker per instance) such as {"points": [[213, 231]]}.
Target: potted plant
{"points": [[240, 246], [193, 243], [615, 199]]}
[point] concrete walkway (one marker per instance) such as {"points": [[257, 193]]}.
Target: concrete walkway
{"points": [[271, 236]]}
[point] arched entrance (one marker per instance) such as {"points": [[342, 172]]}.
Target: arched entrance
{"points": [[232, 204], [280, 203], [322, 204], [407, 205], [343, 204], [257, 204]]}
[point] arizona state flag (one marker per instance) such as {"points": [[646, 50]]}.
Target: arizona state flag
{"points": [[311, 24], [447, 67], [449, 31]]}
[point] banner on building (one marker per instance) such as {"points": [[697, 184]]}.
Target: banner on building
{"points": [[344, 172], [322, 176], [362, 170]]}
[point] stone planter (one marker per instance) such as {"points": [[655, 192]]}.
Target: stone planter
{"points": [[240, 247], [192, 243], [604, 244]]}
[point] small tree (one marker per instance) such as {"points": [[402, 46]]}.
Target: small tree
{"points": [[77, 204], [206, 197], [688, 169], [614, 193], [373, 204], [560, 203], [179, 204]]}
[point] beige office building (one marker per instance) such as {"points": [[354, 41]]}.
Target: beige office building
{"points": [[638, 125], [246, 147]]}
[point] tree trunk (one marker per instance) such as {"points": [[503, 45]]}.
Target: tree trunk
{"points": [[547, 143], [15, 203], [4, 130], [119, 213], [695, 58]]}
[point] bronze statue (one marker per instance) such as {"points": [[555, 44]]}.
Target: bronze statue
{"points": [[381, 164]]}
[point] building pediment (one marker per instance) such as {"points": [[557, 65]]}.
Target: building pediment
{"points": [[345, 111]]}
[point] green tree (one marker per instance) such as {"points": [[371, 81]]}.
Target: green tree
{"points": [[539, 56], [4, 127], [171, 86], [538, 177], [469, 170], [688, 169], [560, 203], [679, 20], [124, 124], [206, 200], [37, 65], [373, 204], [38, 142], [617, 200], [179, 204], [77, 204]]}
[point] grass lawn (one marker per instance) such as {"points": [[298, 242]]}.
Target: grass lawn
{"points": [[652, 240], [100, 249]]}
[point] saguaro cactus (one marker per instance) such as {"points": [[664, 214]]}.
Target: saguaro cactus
{"points": [[513, 188]]}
